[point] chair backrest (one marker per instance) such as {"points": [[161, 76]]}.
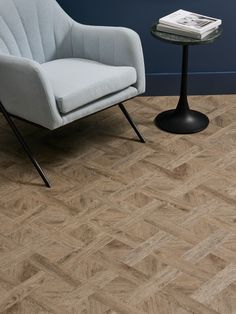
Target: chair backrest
{"points": [[34, 29]]}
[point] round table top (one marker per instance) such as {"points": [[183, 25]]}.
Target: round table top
{"points": [[182, 40]]}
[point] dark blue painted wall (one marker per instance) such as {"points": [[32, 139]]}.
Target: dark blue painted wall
{"points": [[212, 67]]}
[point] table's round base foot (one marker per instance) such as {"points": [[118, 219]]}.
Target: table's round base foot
{"points": [[182, 123]]}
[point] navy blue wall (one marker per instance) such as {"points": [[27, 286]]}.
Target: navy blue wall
{"points": [[212, 67]]}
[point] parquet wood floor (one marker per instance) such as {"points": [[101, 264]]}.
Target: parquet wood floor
{"points": [[127, 228]]}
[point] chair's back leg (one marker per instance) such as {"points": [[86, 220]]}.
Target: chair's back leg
{"points": [[131, 122], [24, 144]]}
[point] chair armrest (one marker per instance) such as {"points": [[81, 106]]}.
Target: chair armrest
{"points": [[110, 45], [26, 93]]}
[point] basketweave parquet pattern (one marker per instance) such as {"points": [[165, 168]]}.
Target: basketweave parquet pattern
{"points": [[128, 228]]}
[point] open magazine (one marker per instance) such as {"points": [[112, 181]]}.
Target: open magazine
{"points": [[189, 21]]}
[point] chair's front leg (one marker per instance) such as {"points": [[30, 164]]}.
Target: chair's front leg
{"points": [[24, 144], [126, 114]]}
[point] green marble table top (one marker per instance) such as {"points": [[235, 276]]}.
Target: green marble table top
{"points": [[182, 40]]}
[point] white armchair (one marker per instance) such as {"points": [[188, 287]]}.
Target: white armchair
{"points": [[54, 70]]}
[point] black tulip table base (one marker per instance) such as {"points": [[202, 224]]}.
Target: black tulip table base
{"points": [[182, 123], [182, 120]]}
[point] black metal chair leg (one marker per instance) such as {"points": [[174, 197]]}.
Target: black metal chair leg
{"points": [[131, 122], [24, 145]]}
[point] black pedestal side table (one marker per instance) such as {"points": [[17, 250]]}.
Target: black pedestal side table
{"points": [[183, 120]]}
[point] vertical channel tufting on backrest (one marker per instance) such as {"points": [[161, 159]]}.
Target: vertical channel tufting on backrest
{"points": [[35, 29]]}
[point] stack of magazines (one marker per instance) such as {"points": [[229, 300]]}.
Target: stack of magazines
{"points": [[188, 24]]}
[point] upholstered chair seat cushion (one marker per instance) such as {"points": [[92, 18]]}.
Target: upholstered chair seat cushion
{"points": [[77, 82]]}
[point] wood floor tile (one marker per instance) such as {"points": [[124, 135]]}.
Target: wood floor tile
{"points": [[127, 228]]}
